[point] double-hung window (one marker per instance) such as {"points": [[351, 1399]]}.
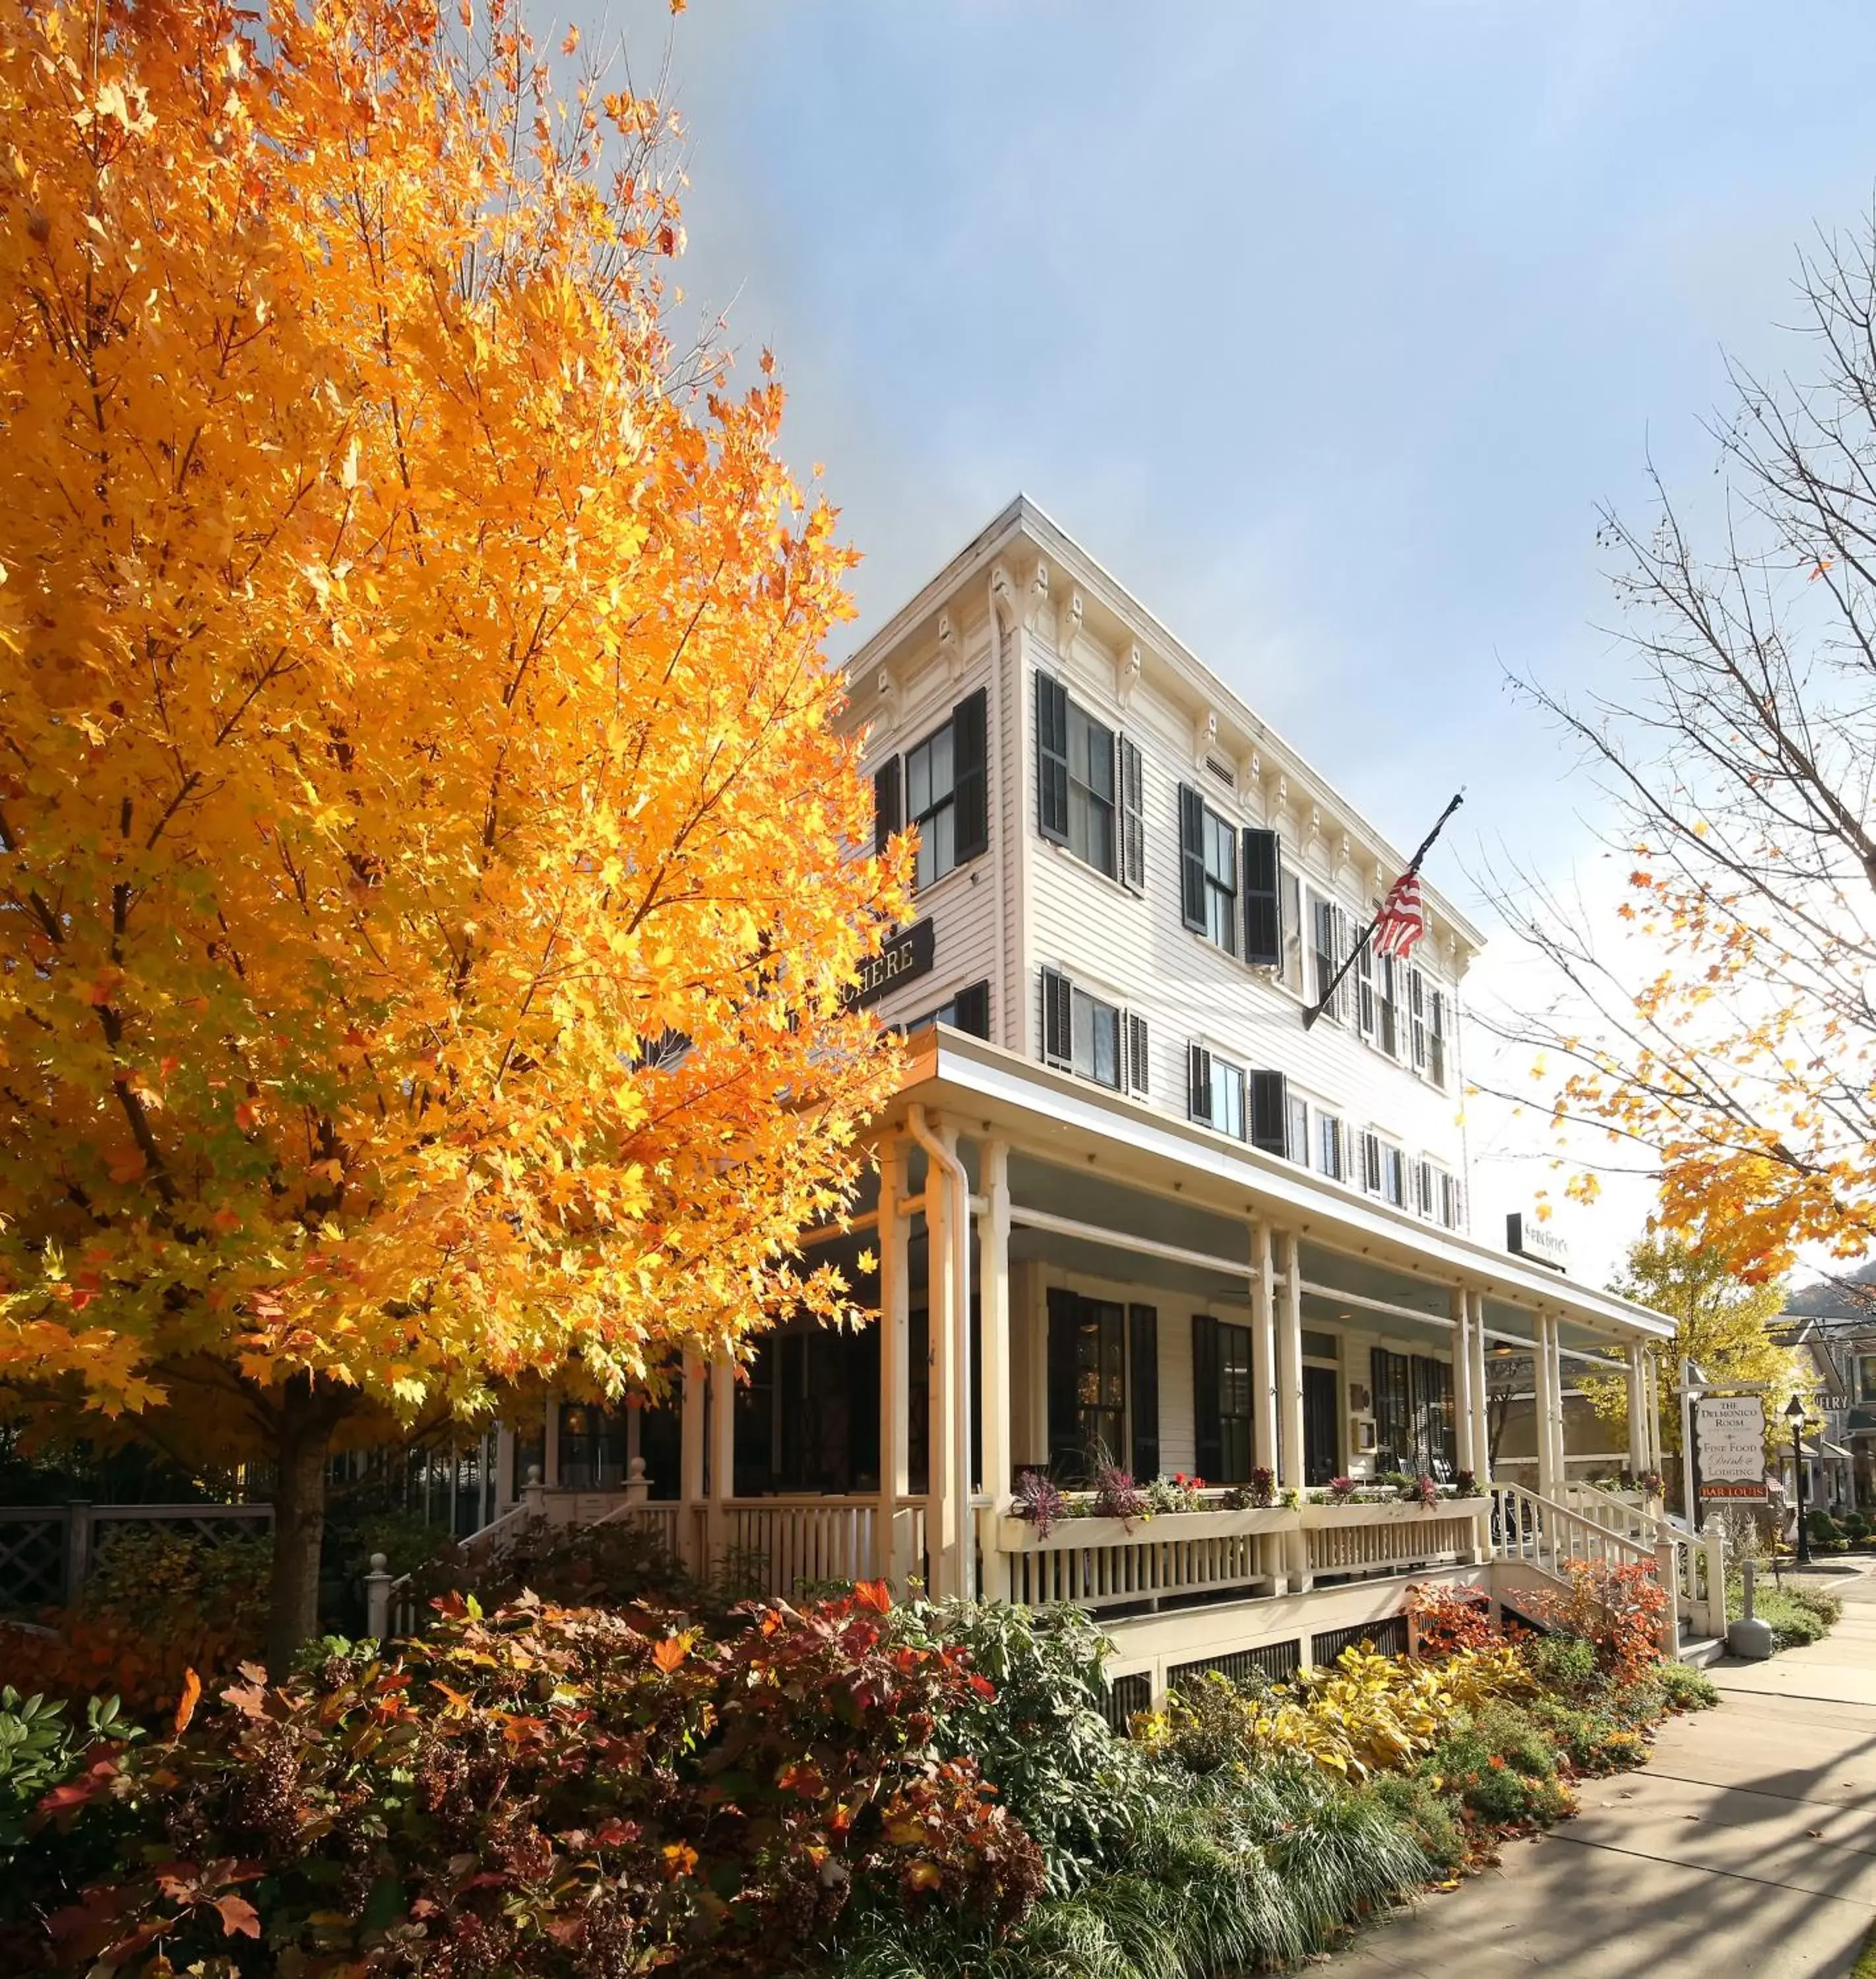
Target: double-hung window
{"points": [[1290, 892], [1208, 871], [1084, 1034], [1080, 775], [1220, 883], [1221, 1392], [1330, 1157], [941, 788], [1216, 1092], [968, 1010], [1296, 1140], [930, 806], [1449, 1206], [1329, 944], [1389, 1037], [1436, 1036], [1384, 1169], [1367, 1004]]}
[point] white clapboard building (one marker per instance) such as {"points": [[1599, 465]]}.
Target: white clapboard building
{"points": [[1131, 1213]]}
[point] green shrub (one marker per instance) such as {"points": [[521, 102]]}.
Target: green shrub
{"points": [[1040, 1737], [1563, 1663], [1592, 1741], [1794, 1613], [1820, 1526], [1686, 1688], [1428, 1813], [1502, 1766], [1222, 1877]]}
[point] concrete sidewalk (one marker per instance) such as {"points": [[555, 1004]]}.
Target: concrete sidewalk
{"points": [[1747, 1846]]}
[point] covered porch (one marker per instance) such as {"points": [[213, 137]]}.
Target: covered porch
{"points": [[1066, 1284]]}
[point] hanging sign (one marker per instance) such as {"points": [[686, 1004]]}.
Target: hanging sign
{"points": [[905, 957], [1729, 1440], [1525, 1237]]}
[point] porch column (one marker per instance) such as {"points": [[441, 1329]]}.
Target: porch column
{"points": [[1290, 1397], [507, 1485], [1650, 1382], [722, 1452], [942, 1508], [1638, 1411], [1556, 1391], [893, 1549], [1546, 1409], [1459, 1305], [1264, 1347], [691, 1468], [1481, 1394], [993, 1323]]}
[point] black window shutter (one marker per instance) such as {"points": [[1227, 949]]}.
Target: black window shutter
{"points": [[1143, 1389], [1208, 1434], [1270, 1106], [1132, 817], [1137, 1052], [972, 1009], [1199, 1087], [1191, 858], [1058, 1019], [1263, 901], [1052, 759], [1065, 1434], [887, 818], [970, 784]]}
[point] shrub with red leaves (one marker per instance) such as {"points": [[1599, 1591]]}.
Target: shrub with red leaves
{"points": [[553, 1792], [1618, 1609], [1448, 1619]]}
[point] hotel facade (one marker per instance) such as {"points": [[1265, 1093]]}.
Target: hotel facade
{"points": [[1129, 1212]]}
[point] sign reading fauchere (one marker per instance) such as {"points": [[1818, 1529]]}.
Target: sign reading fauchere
{"points": [[1729, 1440], [905, 957]]}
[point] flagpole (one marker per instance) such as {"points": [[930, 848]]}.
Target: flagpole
{"points": [[1316, 1010]]}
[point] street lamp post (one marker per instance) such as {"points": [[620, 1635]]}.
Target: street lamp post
{"points": [[1794, 1415]]}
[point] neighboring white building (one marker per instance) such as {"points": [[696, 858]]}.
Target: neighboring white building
{"points": [[1128, 1209]]}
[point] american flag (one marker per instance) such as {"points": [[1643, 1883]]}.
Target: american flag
{"points": [[1402, 919]]}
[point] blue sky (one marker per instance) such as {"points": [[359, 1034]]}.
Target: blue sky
{"points": [[1325, 327]]}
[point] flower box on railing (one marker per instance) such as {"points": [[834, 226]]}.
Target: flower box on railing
{"points": [[1388, 1512], [1014, 1535]]}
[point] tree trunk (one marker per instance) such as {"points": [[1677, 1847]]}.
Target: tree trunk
{"points": [[306, 1420]]}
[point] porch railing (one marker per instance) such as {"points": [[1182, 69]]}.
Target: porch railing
{"points": [[1543, 1534], [1098, 1563], [783, 1543], [1390, 1538]]}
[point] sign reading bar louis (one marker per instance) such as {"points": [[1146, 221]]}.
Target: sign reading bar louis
{"points": [[1729, 1441], [905, 957]]}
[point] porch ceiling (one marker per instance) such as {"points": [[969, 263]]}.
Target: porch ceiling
{"points": [[1093, 1156]]}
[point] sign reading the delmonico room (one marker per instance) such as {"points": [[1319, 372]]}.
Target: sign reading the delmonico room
{"points": [[904, 958], [1729, 1441]]}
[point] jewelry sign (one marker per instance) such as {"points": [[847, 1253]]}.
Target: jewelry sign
{"points": [[1729, 1442]]}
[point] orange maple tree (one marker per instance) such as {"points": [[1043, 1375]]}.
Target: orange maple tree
{"points": [[428, 889], [1716, 1029]]}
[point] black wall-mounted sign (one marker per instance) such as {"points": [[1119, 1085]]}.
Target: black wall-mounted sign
{"points": [[905, 957]]}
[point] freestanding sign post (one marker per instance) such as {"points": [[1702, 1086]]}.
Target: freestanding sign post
{"points": [[1729, 1432]]}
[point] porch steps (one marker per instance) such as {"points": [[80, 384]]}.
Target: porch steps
{"points": [[1701, 1652]]}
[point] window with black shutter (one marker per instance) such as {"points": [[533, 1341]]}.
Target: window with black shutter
{"points": [[1087, 1385], [1263, 892], [1436, 1036], [1058, 1020], [1143, 1389], [1132, 817], [1052, 759], [1391, 1377], [1134, 1026], [887, 818], [1208, 1440], [1198, 1083], [970, 754], [1269, 1110], [968, 1010], [1191, 858], [1221, 1388]]}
